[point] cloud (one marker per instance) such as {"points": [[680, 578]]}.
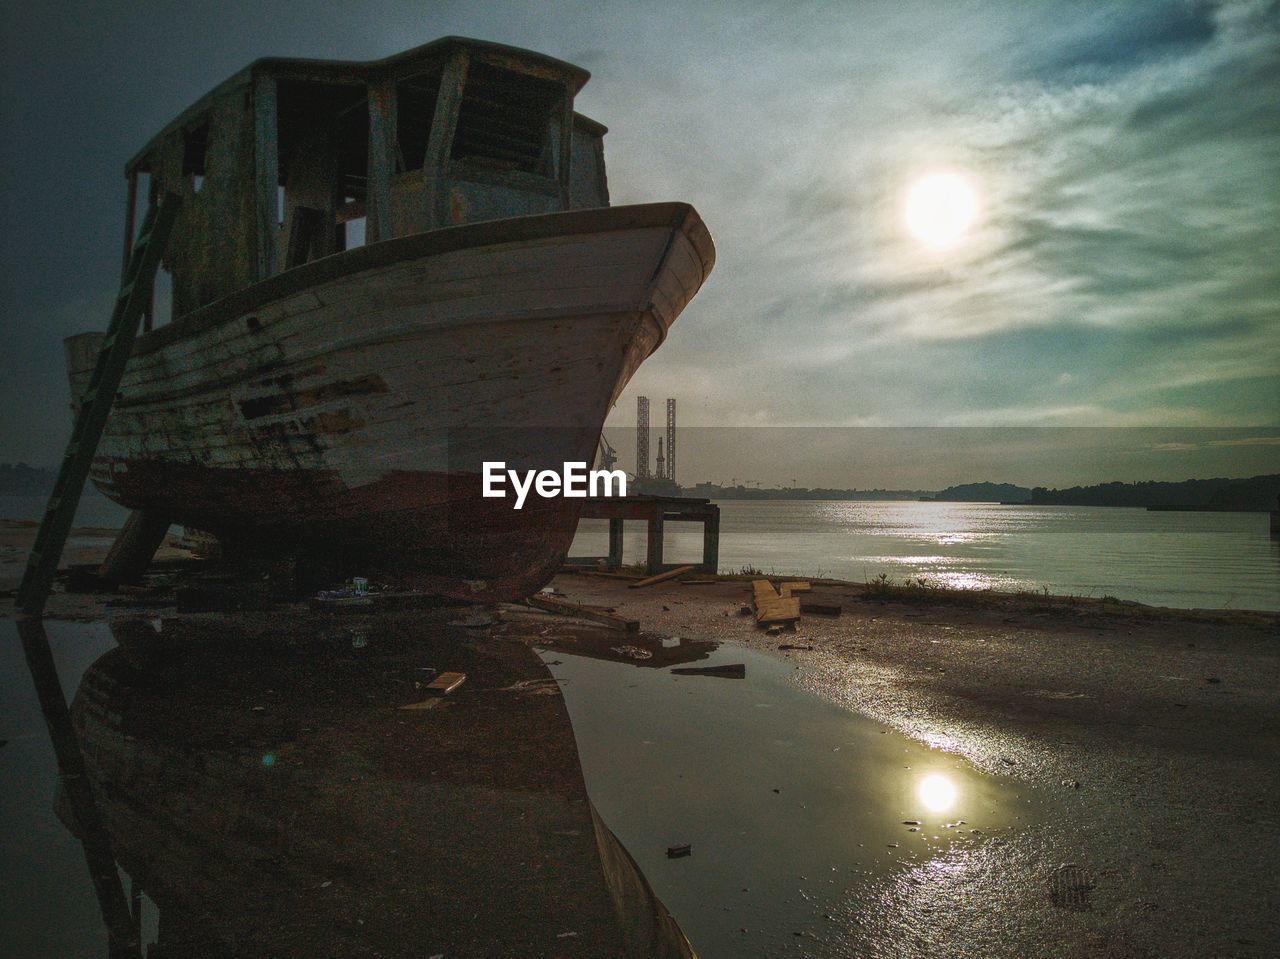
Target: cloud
{"points": [[1128, 233], [1126, 156]]}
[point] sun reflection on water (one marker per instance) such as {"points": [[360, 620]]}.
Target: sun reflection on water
{"points": [[936, 792]]}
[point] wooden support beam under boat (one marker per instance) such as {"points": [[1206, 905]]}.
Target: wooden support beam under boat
{"points": [[134, 547]]}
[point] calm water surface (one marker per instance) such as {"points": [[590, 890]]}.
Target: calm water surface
{"points": [[240, 771], [1186, 560], [793, 807]]}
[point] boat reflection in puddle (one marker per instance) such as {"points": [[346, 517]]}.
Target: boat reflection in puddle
{"points": [[259, 783], [799, 813]]}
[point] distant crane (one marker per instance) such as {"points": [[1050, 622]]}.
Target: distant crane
{"points": [[608, 455]]}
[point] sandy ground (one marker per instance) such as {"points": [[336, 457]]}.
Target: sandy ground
{"points": [[1154, 735]]}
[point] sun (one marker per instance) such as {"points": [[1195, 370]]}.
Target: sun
{"points": [[940, 209]]}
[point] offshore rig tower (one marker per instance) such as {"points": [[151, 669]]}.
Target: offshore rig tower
{"points": [[666, 462]]}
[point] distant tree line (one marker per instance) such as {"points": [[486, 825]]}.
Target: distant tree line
{"points": [[1254, 493], [715, 491], [984, 493]]}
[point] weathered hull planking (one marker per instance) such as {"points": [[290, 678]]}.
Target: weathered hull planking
{"points": [[346, 406]]}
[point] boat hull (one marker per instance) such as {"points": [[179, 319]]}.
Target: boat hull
{"points": [[345, 409]]}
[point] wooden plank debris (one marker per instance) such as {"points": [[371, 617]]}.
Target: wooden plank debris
{"points": [[773, 607], [446, 683], [786, 589], [593, 613], [728, 671], [785, 610], [821, 609], [438, 688], [663, 577]]}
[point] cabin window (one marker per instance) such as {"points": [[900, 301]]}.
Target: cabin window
{"points": [[504, 121], [161, 311], [415, 112], [324, 155], [352, 221], [195, 152]]}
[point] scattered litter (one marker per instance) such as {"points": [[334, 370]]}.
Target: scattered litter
{"points": [[1070, 887], [595, 614], [633, 652], [536, 687], [344, 600], [431, 703], [679, 852], [794, 646], [662, 577], [911, 822], [731, 671], [475, 619], [441, 686]]}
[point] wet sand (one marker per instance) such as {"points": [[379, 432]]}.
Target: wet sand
{"points": [[1153, 732]]}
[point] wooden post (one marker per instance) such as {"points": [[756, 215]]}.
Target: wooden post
{"points": [[711, 539], [95, 407], [266, 172], [435, 165], [383, 112], [615, 543], [566, 146], [129, 214], [653, 554], [134, 547], [73, 777]]}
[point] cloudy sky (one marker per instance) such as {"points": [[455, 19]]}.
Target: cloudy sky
{"points": [[1123, 268]]}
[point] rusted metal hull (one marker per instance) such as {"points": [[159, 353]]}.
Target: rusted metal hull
{"points": [[345, 408]]}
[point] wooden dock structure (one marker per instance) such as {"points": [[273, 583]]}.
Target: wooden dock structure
{"points": [[656, 512]]}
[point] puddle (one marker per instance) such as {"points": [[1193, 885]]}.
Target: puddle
{"points": [[789, 803], [259, 789]]}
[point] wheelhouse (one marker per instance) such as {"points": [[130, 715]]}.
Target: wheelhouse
{"points": [[292, 160]]}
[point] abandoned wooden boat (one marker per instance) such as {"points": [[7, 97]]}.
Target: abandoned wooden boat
{"points": [[383, 275]]}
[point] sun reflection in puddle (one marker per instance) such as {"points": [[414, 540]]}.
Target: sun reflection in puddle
{"points": [[936, 792]]}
